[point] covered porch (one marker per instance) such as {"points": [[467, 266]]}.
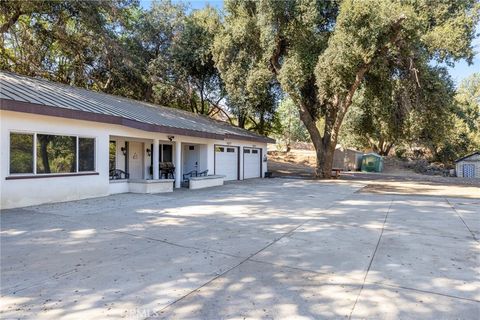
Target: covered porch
{"points": [[152, 165]]}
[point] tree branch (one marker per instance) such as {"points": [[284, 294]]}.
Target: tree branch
{"points": [[224, 113], [10, 22], [275, 59], [395, 28]]}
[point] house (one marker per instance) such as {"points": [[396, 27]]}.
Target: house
{"points": [[468, 166], [61, 143], [347, 159]]}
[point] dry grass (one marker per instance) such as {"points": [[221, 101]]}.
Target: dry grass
{"points": [[394, 180], [303, 157]]}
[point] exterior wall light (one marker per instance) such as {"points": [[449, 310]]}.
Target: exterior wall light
{"points": [[124, 150], [149, 152], [171, 138]]}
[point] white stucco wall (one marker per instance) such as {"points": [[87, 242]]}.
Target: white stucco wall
{"points": [[24, 192]]}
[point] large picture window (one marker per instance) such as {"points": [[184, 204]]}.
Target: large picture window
{"points": [[56, 154], [21, 153], [46, 153]]}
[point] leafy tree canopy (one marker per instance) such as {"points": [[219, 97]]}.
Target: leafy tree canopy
{"points": [[82, 43], [321, 52], [375, 57]]}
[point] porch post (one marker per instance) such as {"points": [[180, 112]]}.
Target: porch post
{"points": [[178, 164], [155, 157]]}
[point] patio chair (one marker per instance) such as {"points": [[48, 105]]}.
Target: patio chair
{"points": [[117, 174], [167, 170]]}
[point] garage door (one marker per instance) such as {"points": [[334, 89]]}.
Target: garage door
{"points": [[251, 163], [226, 162]]}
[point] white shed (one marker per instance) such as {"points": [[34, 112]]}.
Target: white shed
{"points": [[469, 166], [347, 159]]}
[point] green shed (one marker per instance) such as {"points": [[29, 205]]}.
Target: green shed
{"points": [[372, 162]]}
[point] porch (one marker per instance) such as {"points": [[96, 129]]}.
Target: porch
{"points": [[153, 165]]}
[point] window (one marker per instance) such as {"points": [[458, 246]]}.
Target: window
{"points": [[46, 153], [112, 155], [219, 149], [56, 154], [21, 153], [246, 150], [86, 154], [230, 149], [254, 151]]}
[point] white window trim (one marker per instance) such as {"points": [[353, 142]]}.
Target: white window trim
{"points": [[77, 156]]}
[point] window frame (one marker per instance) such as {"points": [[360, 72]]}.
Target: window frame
{"points": [[34, 160], [46, 175]]}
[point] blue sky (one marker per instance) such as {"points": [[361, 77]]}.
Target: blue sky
{"points": [[462, 69], [459, 72]]}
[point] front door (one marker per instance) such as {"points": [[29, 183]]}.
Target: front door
{"points": [[190, 158], [469, 170], [135, 160]]}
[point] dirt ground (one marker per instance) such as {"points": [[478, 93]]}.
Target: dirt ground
{"points": [[394, 180]]}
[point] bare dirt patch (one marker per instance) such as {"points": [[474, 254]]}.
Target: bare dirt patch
{"points": [[394, 180]]}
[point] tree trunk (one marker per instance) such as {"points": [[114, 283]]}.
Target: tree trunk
{"points": [[385, 148], [336, 108], [323, 168], [44, 153], [11, 21], [261, 125], [241, 121], [325, 160], [147, 96]]}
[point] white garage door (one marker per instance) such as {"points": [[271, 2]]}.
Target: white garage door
{"points": [[251, 163], [226, 162]]}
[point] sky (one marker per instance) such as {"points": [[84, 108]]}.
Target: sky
{"points": [[460, 71]]}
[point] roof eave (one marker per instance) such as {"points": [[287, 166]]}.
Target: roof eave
{"points": [[53, 111], [262, 139], [467, 156]]}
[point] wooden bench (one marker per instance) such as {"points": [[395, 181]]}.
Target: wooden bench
{"points": [[336, 172]]}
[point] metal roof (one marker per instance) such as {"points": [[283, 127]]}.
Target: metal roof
{"points": [[33, 95], [468, 156]]}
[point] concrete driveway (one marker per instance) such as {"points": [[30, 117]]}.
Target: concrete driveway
{"points": [[279, 248]]}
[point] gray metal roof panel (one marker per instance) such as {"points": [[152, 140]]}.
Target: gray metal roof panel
{"points": [[468, 156], [40, 91]]}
